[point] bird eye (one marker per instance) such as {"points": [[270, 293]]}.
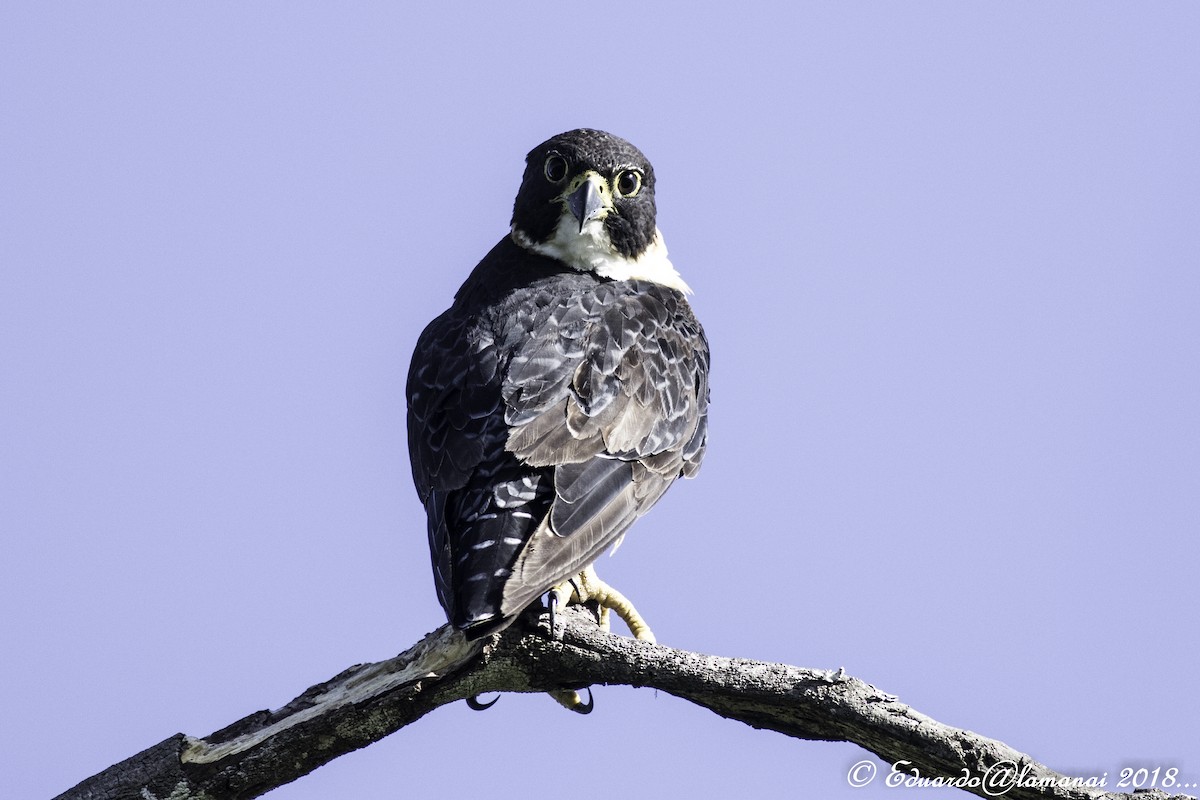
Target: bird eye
{"points": [[556, 168], [629, 182]]}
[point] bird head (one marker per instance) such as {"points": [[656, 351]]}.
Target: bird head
{"points": [[587, 200]]}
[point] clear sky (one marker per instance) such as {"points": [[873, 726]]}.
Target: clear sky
{"points": [[947, 255]]}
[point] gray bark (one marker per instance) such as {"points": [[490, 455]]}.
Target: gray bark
{"points": [[369, 701]]}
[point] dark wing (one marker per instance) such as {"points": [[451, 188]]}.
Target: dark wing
{"points": [[482, 504], [611, 392]]}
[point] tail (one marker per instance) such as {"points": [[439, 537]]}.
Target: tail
{"points": [[475, 536]]}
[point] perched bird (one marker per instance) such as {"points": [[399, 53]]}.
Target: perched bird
{"points": [[561, 394]]}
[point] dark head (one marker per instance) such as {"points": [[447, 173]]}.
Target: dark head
{"points": [[587, 199]]}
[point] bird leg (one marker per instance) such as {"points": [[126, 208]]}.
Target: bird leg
{"points": [[587, 587]]}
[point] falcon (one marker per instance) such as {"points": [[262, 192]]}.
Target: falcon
{"points": [[560, 395]]}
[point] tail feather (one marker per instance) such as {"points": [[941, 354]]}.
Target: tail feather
{"points": [[476, 534]]}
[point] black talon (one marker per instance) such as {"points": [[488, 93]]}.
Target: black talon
{"points": [[474, 704], [552, 603], [585, 708]]}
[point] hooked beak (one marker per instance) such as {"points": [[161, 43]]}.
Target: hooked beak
{"points": [[586, 203]]}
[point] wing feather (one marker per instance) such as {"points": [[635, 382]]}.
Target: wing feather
{"points": [[619, 418]]}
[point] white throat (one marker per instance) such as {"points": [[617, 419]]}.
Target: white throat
{"points": [[591, 251]]}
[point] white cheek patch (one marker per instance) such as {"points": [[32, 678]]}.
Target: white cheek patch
{"points": [[591, 251]]}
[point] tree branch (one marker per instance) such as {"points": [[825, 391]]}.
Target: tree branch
{"points": [[367, 702]]}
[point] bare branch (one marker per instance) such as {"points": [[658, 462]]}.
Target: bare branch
{"points": [[367, 702]]}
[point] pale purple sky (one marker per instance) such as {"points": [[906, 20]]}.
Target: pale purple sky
{"points": [[947, 255]]}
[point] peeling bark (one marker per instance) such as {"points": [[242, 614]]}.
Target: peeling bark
{"points": [[369, 701]]}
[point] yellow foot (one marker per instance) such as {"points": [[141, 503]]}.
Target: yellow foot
{"points": [[587, 587], [570, 700]]}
